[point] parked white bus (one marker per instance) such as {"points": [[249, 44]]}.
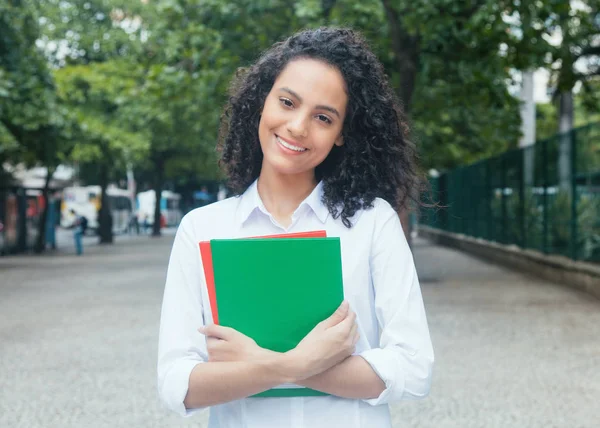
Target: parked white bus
{"points": [[85, 201], [169, 207]]}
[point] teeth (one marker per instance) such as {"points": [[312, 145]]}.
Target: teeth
{"points": [[289, 146]]}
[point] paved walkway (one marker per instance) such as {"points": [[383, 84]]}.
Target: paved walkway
{"points": [[78, 343]]}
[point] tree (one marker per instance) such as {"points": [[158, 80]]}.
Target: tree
{"points": [[173, 69], [88, 31], [432, 51], [443, 58], [35, 129], [449, 61], [178, 144], [185, 68], [90, 42], [576, 59], [98, 96], [451, 68]]}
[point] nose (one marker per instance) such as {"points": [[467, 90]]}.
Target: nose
{"points": [[298, 126]]}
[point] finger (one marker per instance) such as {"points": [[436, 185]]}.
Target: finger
{"points": [[212, 345], [352, 316], [218, 331], [212, 342], [345, 326], [354, 334], [349, 321], [353, 331], [338, 316]]}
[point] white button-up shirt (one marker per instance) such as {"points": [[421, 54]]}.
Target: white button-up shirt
{"points": [[380, 283]]}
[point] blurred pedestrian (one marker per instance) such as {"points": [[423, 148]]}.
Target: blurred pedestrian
{"points": [[146, 224], [78, 229], [202, 197], [134, 224], [51, 221]]}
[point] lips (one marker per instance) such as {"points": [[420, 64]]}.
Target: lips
{"points": [[290, 146]]}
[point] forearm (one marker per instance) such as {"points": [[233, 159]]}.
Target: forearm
{"points": [[352, 378], [220, 382]]}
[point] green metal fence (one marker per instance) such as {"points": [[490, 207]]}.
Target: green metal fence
{"points": [[544, 197]]}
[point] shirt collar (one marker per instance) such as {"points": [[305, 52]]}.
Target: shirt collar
{"points": [[315, 202], [250, 201]]}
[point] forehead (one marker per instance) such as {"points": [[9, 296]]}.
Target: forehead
{"points": [[315, 81]]}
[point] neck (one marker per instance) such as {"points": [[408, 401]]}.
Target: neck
{"points": [[282, 194]]}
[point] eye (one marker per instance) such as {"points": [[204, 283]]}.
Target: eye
{"points": [[323, 118], [286, 102]]}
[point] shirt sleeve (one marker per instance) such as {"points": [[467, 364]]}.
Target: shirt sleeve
{"points": [[404, 358], [180, 346]]}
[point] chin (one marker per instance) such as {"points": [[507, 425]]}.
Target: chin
{"points": [[285, 167], [288, 170]]}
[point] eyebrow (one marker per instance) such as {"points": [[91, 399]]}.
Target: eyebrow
{"points": [[321, 107]]}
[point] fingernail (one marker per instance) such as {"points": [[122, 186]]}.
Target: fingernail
{"points": [[201, 330]]}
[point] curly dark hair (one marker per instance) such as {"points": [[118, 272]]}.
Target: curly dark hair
{"points": [[376, 159]]}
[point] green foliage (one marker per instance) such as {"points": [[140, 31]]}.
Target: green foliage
{"points": [[33, 126], [460, 107], [587, 226], [546, 121], [464, 114], [578, 25], [25, 91], [547, 115], [145, 82], [88, 31], [97, 97], [572, 55]]}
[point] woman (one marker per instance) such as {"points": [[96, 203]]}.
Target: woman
{"points": [[312, 138]]}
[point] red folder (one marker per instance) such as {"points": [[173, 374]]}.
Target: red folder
{"points": [[206, 255]]}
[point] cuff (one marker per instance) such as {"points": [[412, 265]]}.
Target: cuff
{"points": [[385, 366], [175, 387]]}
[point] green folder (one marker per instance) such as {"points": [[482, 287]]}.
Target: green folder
{"points": [[276, 290]]}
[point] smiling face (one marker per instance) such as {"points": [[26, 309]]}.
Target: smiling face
{"points": [[302, 118]]}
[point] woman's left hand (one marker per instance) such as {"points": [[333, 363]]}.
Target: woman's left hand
{"points": [[228, 344]]}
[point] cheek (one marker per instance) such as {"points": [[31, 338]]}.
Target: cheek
{"points": [[263, 124], [327, 139], [264, 130], [270, 112]]}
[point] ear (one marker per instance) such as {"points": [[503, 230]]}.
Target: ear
{"points": [[340, 141]]}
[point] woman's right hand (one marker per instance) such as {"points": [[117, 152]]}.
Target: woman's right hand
{"points": [[331, 341]]}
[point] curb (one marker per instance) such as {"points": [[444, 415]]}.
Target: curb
{"points": [[558, 269]]}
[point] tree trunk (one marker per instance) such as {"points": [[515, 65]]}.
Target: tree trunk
{"points": [[104, 214], [527, 126], [565, 125], [40, 243], [327, 7], [406, 53], [158, 184], [157, 213]]}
